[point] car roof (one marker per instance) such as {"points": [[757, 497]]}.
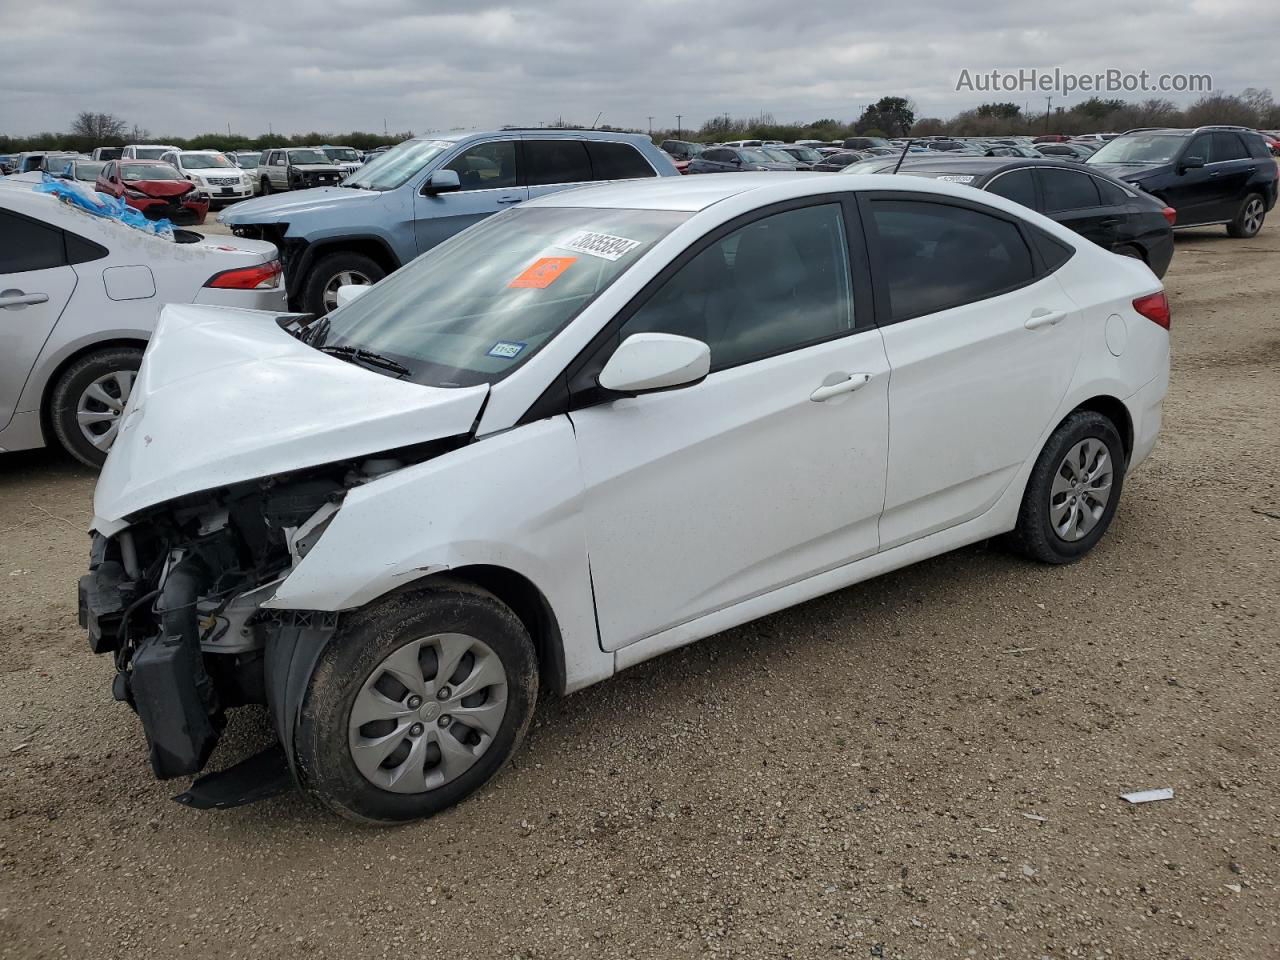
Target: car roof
{"points": [[693, 194], [542, 132]]}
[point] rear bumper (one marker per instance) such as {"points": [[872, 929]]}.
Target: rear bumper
{"points": [[275, 300], [1146, 410]]}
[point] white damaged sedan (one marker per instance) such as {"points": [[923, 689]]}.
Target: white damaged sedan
{"points": [[582, 433]]}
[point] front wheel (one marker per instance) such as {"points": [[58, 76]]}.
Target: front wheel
{"points": [[1073, 490], [88, 401], [416, 703], [320, 290], [1248, 219]]}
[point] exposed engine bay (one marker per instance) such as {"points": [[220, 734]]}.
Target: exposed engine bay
{"points": [[175, 598]]}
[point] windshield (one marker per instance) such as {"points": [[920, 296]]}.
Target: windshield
{"points": [[89, 169], [391, 169], [1140, 148], [757, 155], [807, 154], [344, 154], [777, 154], [247, 159], [307, 156], [149, 171], [150, 153], [475, 307], [205, 161]]}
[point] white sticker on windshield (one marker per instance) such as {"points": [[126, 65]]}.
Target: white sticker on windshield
{"points": [[506, 349], [600, 245], [955, 178]]}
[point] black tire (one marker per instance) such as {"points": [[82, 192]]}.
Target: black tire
{"points": [[65, 398], [327, 269], [1035, 536], [1248, 219], [365, 639], [1129, 250], [266, 184]]}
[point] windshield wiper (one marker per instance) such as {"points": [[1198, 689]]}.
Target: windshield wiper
{"points": [[368, 357]]}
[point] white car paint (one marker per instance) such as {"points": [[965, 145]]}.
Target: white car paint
{"points": [[695, 509], [116, 298]]}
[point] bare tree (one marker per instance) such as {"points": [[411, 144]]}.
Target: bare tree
{"points": [[98, 127]]}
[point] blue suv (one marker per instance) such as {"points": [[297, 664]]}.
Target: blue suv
{"points": [[423, 191]]}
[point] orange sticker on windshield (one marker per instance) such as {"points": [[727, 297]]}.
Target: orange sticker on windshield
{"points": [[543, 273]]}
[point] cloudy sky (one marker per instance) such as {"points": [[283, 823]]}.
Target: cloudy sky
{"points": [[189, 66]]}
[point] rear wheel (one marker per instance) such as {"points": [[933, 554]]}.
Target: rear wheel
{"points": [[416, 703], [1073, 490], [88, 401], [265, 184], [1249, 217], [345, 268]]}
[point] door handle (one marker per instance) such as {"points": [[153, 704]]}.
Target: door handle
{"points": [[16, 298], [1045, 318], [508, 199], [1110, 222], [848, 385]]}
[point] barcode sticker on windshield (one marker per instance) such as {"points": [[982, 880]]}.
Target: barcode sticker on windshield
{"points": [[600, 245], [955, 178]]}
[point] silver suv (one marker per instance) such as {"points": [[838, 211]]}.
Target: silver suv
{"points": [[296, 168]]}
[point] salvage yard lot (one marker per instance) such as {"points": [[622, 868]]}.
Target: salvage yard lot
{"points": [[847, 778]]}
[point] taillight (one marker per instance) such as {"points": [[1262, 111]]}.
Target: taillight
{"points": [[1155, 307], [1171, 215], [263, 276]]}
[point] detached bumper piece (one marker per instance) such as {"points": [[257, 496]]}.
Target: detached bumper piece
{"points": [[254, 778]]}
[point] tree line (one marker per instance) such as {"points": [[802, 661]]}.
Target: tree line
{"points": [[887, 117]]}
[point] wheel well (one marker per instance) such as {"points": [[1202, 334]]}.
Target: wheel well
{"points": [[46, 425], [528, 603], [375, 250], [1115, 411]]}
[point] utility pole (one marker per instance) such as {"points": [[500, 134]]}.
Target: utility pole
{"points": [[679, 117], [1048, 107], [651, 126], [384, 126]]}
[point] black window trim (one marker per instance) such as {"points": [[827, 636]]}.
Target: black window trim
{"points": [[880, 288], [559, 396]]}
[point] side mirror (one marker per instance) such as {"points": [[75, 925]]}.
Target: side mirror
{"points": [[442, 181], [1190, 163], [647, 362], [349, 291]]}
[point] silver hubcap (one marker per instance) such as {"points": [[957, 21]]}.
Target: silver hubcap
{"points": [[427, 713], [346, 278], [1081, 489], [1253, 216], [101, 406]]}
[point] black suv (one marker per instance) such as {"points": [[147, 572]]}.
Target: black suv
{"points": [[1209, 175]]}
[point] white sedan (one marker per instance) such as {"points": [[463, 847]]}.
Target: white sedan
{"points": [[79, 298], [584, 432]]}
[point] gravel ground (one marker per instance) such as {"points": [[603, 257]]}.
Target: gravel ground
{"points": [[927, 765]]}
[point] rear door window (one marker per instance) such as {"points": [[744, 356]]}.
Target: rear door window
{"points": [[1067, 190], [1016, 185], [934, 256], [556, 161], [1228, 146]]}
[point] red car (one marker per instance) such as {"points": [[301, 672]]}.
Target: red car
{"points": [[156, 189]]}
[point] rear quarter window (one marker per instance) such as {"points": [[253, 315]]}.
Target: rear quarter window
{"points": [[617, 161], [33, 246]]}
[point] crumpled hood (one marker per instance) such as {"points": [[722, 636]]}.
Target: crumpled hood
{"points": [[282, 207], [226, 395], [161, 188]]}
